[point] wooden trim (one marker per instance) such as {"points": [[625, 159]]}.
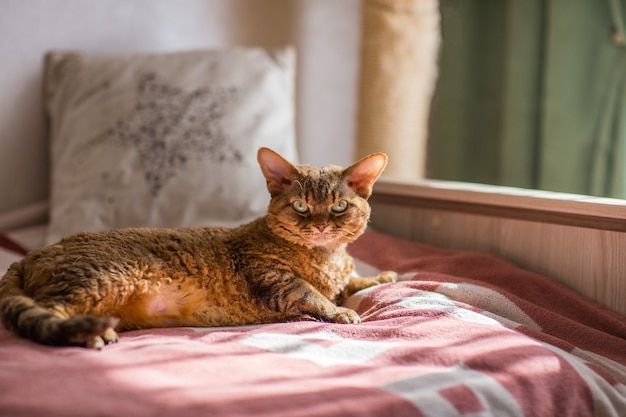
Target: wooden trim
{"points": [[577, 240], [505, 202]]}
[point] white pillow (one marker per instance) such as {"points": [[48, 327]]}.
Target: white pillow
{"points": [[165, 140]]}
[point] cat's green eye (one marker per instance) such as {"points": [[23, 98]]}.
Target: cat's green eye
{"points": [[300, 207], [340, 206]]}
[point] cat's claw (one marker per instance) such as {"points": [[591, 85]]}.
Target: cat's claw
{"points": [[346, 316]]}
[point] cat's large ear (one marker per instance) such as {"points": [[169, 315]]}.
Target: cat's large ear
{"points": [[362, 175], [278, 172]]}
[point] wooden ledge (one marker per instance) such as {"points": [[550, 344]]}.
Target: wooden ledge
{"points": [[505, 202]]}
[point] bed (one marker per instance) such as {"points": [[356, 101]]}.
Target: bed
{"points": [[462, 333], [510, 303]]}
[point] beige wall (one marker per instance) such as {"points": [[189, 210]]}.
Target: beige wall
{"points": [[325, 32]]}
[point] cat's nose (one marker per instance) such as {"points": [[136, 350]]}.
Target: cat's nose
{"points": [[321, 227]]}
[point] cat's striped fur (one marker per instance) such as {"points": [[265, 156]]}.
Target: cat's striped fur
{"points": [[288, 265]]}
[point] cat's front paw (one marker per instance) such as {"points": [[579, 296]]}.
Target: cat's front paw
{"points": [[387, 276], [346, 316]]}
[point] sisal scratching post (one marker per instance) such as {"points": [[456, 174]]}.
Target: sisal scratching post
{"points": [[399, 45]]}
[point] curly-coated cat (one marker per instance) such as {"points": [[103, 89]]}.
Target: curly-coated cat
{"points": [[288, 265]]}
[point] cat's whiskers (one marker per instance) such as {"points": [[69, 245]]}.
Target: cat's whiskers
{"points": [[347, 233], [291, 233]]}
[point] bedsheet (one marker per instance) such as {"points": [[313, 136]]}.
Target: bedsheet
{"points": [[463, 334]]}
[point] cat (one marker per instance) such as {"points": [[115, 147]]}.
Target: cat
{"points": [[290, 264]]}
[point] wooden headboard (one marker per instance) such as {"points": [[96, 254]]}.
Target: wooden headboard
{"points": [[578, 240]]}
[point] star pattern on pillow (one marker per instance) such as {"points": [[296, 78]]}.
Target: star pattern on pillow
{"points": [[169, 126]]}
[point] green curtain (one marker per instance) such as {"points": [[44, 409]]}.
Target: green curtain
{"points": [[532, 93]]}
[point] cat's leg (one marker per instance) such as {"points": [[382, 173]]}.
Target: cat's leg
{"points": [[93, 332], [52, 325], [98, 342], [50, 319], [296, 298], [76, 322], [312, 302], [358, 283]]}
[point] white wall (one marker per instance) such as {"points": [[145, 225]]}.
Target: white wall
{"points": [[325, 32]]}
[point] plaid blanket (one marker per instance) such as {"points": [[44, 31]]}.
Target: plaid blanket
{"points": [[463, 334]]}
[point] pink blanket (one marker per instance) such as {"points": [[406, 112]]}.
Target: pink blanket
{"points": [[464, 334]]}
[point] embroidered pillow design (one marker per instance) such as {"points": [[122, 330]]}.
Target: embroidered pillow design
{"points": [[164, 140]]}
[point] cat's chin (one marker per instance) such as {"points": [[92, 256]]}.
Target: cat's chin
{"points": [[319, 241], [327, 245], [326, 242]]}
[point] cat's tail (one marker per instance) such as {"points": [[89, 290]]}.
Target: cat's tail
{"points": [[24, 316]]}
